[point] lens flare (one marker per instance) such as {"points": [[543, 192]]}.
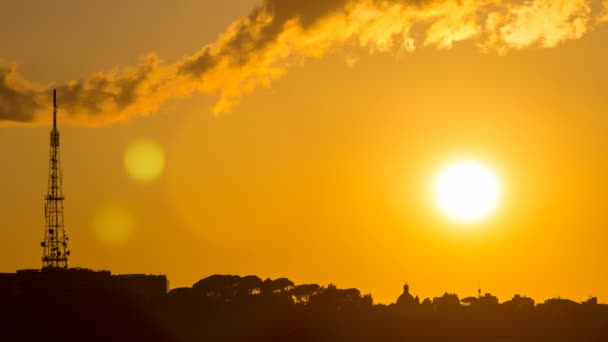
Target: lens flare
{"points": [[113, 224], [144, 160]]}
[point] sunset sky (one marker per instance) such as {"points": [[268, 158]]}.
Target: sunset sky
{"points": [[302, 139]]}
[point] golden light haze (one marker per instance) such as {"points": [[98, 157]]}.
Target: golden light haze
{"points": [[324, 174]]}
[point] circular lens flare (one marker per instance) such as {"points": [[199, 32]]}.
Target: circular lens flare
{"points": [[113, 224], [467, 191], [144, 160]]}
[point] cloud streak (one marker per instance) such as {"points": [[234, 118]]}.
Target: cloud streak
{"points": [[279, 35], [604, 17]]}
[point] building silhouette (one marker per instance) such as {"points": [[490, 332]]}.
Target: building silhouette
{"points": [[57, 296]]}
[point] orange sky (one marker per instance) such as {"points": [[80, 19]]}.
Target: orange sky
{"points": [[325, 173]]}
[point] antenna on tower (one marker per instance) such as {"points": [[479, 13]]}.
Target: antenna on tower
{"points": [[55, 244], [54, 108]]}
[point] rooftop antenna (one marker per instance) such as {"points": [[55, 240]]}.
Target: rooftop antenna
{"points": [[55, 244]]}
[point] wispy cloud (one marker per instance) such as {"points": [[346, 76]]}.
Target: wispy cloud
{"points": [[604, 17], [19, 100], [279, 35], [546, 22]]}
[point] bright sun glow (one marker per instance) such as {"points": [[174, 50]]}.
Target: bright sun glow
{"points": [[467, 191]]}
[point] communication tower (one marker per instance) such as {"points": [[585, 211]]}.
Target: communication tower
{"points": [[55, 244]]}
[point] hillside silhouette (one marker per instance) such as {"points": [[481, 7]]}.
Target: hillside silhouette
{"points": [[82, 305]]}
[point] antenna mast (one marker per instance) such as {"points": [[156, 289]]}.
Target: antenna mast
{"points": [[54, 109], [55, 244]]}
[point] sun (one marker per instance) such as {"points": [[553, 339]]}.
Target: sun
{"points": [[467, 191]]}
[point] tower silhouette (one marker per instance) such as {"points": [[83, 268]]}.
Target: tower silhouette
{"points": [[55, 244]]}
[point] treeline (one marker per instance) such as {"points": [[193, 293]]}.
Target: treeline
{"points": [[233, 308]]}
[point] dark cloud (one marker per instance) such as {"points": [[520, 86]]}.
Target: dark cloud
{"points": [[199, 65], [17, 102], [308, 11], [102, 91], [256, 34]]}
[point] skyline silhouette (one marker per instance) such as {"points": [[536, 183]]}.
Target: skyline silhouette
{"points": [[95, 305]]}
